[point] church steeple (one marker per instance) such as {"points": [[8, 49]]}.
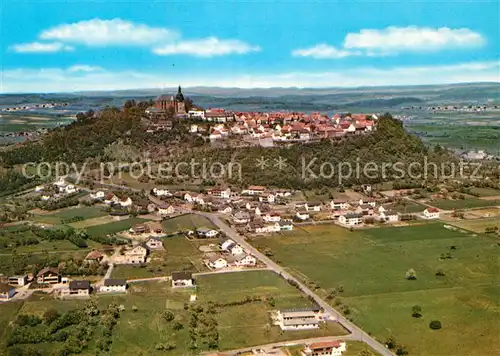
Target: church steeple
{"points": [[179, 96]]}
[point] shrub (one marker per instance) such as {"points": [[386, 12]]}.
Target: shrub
{"points": [[435, 325]]}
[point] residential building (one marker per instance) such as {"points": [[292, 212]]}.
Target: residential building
{"points": [[94, 257], [160, 192], [216, 262], [351, 219], [18, 281], [6, 291], [165, 209], [285, 225], [137, 255], [389, 216], [49, 275], [182, 279], [271, 217], [313, 206], [77, 289], [339, 205], [99, 195], [431, 213], [326, 348], [206, 233], [245, 260], [298, 319], [220, 192], [154, 243], [113, 286], [236, 250], [302, 215], [254, 190], [267, 198], [227, 244]]}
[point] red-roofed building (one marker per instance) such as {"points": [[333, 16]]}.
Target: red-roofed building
{"points": [[327, 348], [431, 213]]}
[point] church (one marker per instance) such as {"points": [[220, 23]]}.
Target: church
{"points": [[174, 104]]}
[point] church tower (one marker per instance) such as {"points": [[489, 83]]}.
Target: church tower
{"points": [[179, 100]]}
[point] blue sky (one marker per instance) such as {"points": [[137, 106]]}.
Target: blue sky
{"points": [[74, 45]]}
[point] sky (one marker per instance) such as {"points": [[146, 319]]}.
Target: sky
{"points": [[64, 46]]}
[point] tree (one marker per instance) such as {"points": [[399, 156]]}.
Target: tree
{"points": [[411, 274], [50, 316], [390, 343], [365, 353], [435, 325], [167, 315], [416, 311], [91, 308], [440, 273], [177, 326]]}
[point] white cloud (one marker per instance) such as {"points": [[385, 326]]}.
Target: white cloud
{"points": [[67, 80], [412, 38], [41, 47], [393, 40], [83, 68], [321, 51], [98, 32], [206, 47]]}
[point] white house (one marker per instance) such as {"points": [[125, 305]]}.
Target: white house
{"points": [[225, 209], [99, 195], [254, 190], [388, 216], [206, 233], [339, 205], [18, 281], [237, 250], [216, 262], [271, 217], [370, 202], [113, 286], [325, 348], [298, 319], [224, 193], [431, 213], [197, 114], [154, 243], [245, 261], [227, 244], [267, 198], [302, 215], [285, 225], [165, 209], [313, 206], [68, 189], [125, 202], [351, 219], [275, 227], [182, 279], [159, 192]]}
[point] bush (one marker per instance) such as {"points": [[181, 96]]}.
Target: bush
{"points": [[50, 316], [435, 325]]}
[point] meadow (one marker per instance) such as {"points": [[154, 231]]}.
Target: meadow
{"points": [[186, 222], [141, 326], [467, 203], [113, 227], [370, 267], [86, 212]]}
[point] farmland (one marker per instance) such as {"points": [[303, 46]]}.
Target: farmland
{"points": [[467, 203], [186, 222], [113, 227], [65, 214], [370, 266]]}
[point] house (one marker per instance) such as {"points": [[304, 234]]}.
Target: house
{"points": [[225, 209], [388, 216], [113, 286], [159, 192], [6, 291], [154, 243], [165, 209], [94, 257], [254, 190], [49, 275], [245, 260], [99, 195], [182, 279], [111, 199], [271, 217], [77, 289], [351, 219], [282, 193], [216, 262], [227, 244], [431, 213], [219, 192], [272, 227], [369, 201], [325, 348], [339, 205], [285, 225], [301, 205], [206, 233], [139, 229], [267, 198], [313, 206], [136, 255], [302, 215], [154, 227], [18, 281], [236, 250], [298, 319], [125, 202]]}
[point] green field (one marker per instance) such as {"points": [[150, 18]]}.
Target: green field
{"points": [[468, 203], [406, 207], [86, 212], [114, 227], [486, 192], [180, 255], [186, 222], [370, 265]]}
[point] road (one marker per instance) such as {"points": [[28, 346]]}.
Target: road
{"points": [[288, 343], [356, 332]]}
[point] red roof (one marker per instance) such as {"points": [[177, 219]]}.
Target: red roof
{"points": [[433, 210], [325, 345]]}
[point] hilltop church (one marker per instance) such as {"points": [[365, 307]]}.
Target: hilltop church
{"points": [[174, 104]]}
